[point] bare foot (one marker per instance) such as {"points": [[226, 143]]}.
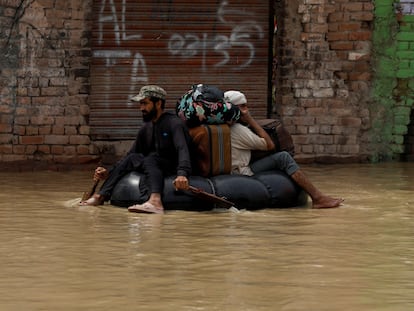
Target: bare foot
{"points": [[94, 200], [327, 202]]}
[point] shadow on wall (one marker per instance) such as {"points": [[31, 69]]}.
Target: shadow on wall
{"points": [[408, 154]]}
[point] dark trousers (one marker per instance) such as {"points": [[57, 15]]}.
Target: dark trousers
{"points": [[155, 169], [280, 160], [153, 166], [132, 162]]}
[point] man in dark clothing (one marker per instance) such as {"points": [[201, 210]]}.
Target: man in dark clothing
{"points": [[160, 149]]}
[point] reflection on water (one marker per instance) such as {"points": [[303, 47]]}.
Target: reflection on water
{"points": [[58, 256]]}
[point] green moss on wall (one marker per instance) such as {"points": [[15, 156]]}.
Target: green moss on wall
{"points": [[393, 42]]}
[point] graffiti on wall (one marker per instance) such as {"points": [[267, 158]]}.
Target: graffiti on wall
{"points": [[184, 46], [190, 45]]}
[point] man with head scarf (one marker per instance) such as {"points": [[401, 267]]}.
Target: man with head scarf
{"points": [[244, 140]]}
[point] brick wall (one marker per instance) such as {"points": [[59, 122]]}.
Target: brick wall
{"points": [[325, 78], [343, 81], [345, 78], [44, 74]]}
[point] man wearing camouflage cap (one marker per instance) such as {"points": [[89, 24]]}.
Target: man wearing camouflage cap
{"points": [[160, 149]]}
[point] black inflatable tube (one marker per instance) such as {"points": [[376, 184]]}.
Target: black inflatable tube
{"points": [[273, 189]]}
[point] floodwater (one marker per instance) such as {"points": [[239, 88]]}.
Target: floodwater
{"points": [[56, 255]]}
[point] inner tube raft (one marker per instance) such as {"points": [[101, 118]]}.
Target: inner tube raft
{"points": [[272, 189]]}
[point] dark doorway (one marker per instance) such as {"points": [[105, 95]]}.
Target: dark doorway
{"points": [[408, 154]]}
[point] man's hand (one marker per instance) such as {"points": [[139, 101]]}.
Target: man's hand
{"points": [[246, 117], [245, 114], [181, 183], [101, 173]]}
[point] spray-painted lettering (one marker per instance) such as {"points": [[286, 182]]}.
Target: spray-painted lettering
{"points": [[242, 30], [192, 45]]}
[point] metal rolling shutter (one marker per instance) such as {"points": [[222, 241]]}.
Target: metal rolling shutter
{"points": [[174, 44]]}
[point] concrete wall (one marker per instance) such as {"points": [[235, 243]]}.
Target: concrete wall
{"points": [[343, 81]]}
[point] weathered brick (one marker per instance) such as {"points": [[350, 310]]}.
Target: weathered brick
{"points": [[350, 121], [360, 36], [21, 120], [362, 16], [53, 91], [56, 149], [58, 129], [326, 119], [82, 149], [337, 36], [323, 93], [325, 129], [44, 149], [32, 130], [42, 120], [84, 130], [342, 45], [5, 128], [302, 139], [315, 111], [352, 6], [307, 149], [312, 37], [310, 102], [313, 129], [32, 140], [301, 130], [316, 28], [19, 130], [330, 149], [305, 121], [314, 1], [69, 150], [351, 26], [348, 149], [79, 140], [70, 130], [30, 149], [6, 148], [364, 76], [45, 130], [56, 140], [338, 16]]}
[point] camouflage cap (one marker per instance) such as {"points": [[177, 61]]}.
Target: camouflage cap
{"points": [[150, 91]]}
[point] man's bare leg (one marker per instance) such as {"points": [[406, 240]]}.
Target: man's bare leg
{"points": [[319, 200]]}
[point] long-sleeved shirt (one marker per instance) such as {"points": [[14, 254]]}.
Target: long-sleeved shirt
{"points": [[243, 141], [169, 138]]}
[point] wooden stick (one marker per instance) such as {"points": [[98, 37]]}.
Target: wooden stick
{"points": [[88, 194], [211, 197]]}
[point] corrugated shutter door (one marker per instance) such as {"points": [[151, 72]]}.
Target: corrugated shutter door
{"points": [[174, 44]]}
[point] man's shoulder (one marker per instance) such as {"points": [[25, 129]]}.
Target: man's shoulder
{"points": [[242, 132], [170, 115], [172, 118]]}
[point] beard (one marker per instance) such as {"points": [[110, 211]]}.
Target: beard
{"points": [[148, 116]]}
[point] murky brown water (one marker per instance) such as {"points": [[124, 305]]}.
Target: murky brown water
{"points": [[57, 256]]}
